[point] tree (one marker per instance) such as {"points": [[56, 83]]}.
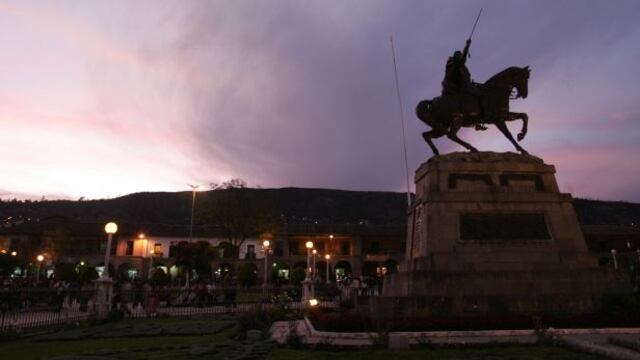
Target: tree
{"points": [[247, 274], [86, 274], [297, 275], [7, 264], [160, 278], [194, 256], [238, 211], [65, 271]]}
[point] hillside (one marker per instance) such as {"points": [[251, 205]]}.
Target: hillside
{"points": [[293, 205]]}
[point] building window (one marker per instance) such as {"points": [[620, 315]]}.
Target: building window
{"points": [[251, 252], [157, 249], [293, 248], [345, 248], [129, 250]]}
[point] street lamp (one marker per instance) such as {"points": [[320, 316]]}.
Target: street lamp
{"points": [[111, 228], [141, 236], [265, 247], [40, 258], [313, 268], [327, 257], [14, 253], [615, 260], [309, 246], [194, 189]]}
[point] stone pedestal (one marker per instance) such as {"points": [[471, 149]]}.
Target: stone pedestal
{"points": [[307, 290], [104, 288], [492, 231]]}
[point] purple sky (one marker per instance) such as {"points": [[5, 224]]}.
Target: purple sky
{"points": [[100, 99]]}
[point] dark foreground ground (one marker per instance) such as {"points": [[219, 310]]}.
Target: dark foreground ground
{"points": [[216, 338]]}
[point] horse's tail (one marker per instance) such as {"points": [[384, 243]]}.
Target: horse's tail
{"points": [[423, 111]]}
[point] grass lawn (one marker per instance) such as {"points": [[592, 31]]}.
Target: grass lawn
{"points": [[127, 340], [116, 344], [138, 348], [511, 352]]}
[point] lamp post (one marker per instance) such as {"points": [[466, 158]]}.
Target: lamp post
{"points": [[111, 228], [615, 260], [327, 257], [309, 246], [265, 282], [194, 189], [314, 271], [40, 258], [308, 283]]}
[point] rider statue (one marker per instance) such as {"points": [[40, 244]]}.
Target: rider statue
{"points": [[457, 79]]}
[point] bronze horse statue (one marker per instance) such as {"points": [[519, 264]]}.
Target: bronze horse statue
{"points": [[489, 104]]}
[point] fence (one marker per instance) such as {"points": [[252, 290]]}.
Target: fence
{"points": [[28, 308]]}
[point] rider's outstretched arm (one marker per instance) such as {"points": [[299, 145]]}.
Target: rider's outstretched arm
{"points": [[465, 52]]}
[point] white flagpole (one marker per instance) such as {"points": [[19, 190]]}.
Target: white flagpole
{"points": [[404, 140]]}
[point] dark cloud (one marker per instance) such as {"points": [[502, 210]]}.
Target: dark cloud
{"points": [[301, 93]]}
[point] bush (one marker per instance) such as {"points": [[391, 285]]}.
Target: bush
{"points": [[247, 274], [297, 276], [160, 278], [65, 272], [258, 320], [87, 274]]}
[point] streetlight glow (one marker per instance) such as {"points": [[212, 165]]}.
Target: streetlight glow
{"points": [[309, 245], [111, 228], [327, 257], [314, 251], [141, 236], [313, 302], [266, 243], [13, 253], [40, 258]]}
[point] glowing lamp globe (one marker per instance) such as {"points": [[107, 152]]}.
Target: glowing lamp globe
{"points": [[40, 258], [309, 245], [111, 228], [266, 243]]}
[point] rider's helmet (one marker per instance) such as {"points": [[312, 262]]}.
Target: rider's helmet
{"points": [[457, 56]]}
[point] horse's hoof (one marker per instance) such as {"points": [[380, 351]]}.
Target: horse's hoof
{"points": [[524, 152], [473, 150]]}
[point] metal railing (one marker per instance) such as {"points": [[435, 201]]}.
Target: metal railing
{"points": [[28, 308]]}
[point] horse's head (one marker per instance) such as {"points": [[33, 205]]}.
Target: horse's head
{"points": [[521, 82], [508, 79]]}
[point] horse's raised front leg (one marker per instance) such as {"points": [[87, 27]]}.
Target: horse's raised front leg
{"points": [[432, 135], [502, 126], [525, 122], [453, 135]]}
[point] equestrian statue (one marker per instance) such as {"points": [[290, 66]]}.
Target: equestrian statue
{"points": [[464, 103]]}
